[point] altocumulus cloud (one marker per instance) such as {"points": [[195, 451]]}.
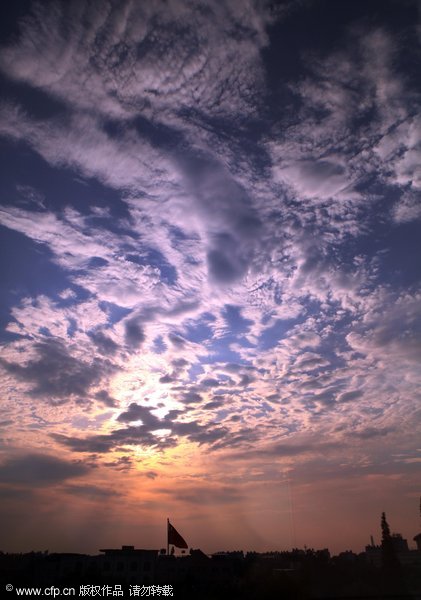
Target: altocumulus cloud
{"points": [[212, 246], [55, 374]]}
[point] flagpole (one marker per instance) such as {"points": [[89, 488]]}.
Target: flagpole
{"points": [[168, 544]]}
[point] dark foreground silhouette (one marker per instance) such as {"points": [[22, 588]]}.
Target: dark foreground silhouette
{"points": [[298, 574]]}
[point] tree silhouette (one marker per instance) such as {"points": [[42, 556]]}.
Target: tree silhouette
{"points": [[391, 566], [389, 558]]}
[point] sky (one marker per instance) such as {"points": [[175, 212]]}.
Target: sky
{"points": [[210, 271]]}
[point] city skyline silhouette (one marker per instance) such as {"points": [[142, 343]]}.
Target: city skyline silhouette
{"points": [[210, 306]]}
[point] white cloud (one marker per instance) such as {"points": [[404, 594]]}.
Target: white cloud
{"points": [[313, 180], [144, 57], [407, 208]]}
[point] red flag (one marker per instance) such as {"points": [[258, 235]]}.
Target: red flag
{"points": [[174, 538]]}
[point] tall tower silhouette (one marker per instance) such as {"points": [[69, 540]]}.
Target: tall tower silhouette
{"points": [[417, 538]]}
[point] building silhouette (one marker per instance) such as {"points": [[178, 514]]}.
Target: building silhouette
{"points": [[297, 573]]}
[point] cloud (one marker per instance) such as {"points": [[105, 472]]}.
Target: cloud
{"points": [[134, 335], [104, 343], [315, 180], [191, 397], [143, 435], [310, 361], [137, 57], [396, 328], [136, 412], [55, 374], [92, 492], [298, 449], [372, 432], [104, 397], [37, 470], [123, 463], [225, 254], [205, 495], [288, 450], [407, 208], [350, 396]]}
